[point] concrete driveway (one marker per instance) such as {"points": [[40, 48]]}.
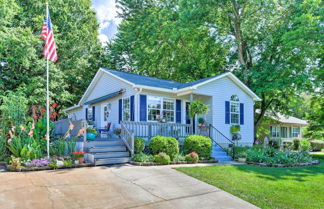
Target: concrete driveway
{"points": [[112, 187]]}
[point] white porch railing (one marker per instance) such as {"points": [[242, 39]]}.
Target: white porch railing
{"points": [[151, 129], [128, 138]]}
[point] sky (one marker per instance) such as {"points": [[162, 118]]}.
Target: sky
{"points": [[106, 14]]}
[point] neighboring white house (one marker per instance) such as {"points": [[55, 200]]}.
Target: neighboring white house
{"points": [[115, 96]]}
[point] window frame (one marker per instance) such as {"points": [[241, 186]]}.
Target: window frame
{"points": [[128, 109], [277, 131], [90, 113], [234, 100], [293, 132], [161, 109], [108, 110]]}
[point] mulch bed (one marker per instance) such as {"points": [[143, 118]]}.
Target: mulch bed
{"points": [[314, 162], [26, 169], [171, 163]]}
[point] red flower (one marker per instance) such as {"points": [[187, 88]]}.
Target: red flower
{"points": [[55, 114], [52, 116], [35, 117], [42, 110], [34, 107], [54, 105]]}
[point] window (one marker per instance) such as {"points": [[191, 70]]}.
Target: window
{"points": [[158, 107], [295, 132], [274, 131], [234, 110], [284, 132], [107, 109], [126, 109], [90, 114]]}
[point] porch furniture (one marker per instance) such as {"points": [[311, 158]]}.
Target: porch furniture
{"points": [[105, 130]]}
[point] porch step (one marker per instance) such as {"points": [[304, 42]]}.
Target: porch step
{"points": [[107, 149], [104, 143], [219, 154], [105, 155], [110, 161]]}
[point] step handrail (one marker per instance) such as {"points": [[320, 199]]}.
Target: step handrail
{"points": [[128, 138], [211, 127]]}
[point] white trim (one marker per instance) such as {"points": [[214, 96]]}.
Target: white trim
{"points": [[156, 88], [89, 87], [161, 108], [72, 108]]}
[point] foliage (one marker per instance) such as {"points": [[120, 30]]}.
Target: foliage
{"points": [[58, 147], [139, 145], [266, 187], [92, 130], [70, 143], [274, 143], [2, 148], [75, 28], [141, 157], [39, 162], [179, 158], [315, 129], [305, 145], [117, 131], [238, 149], [192, 157], [241, 155], [201, 120], [235, 129], [199, 144], [197, 108], [168, 145], [319, 156], [317, 145], [15, 162], [162, 158], [296, 144], [78, 155]]}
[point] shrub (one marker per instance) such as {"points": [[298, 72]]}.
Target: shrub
{"points": [[179, 158], [296, 143], [141, 157], [237, 149], [139, 145], [305, 145], [162, 158], [168, 145], [241, 155], [274, 144], [317, 145], [192, 157], [200, 144]]}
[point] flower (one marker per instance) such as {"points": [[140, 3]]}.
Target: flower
{"points": [[33, 126], [46, 137], [10, 134], [9, 140], [42, 110], [30, 133], [22, 128], [34, 107], [81, 131], [71, 127], [54, 105], [35, 117], [13, 128], [52, 116]]}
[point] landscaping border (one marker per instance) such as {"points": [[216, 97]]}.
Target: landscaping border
{"points": [[171, 163], [27, 169], [314, 162]]}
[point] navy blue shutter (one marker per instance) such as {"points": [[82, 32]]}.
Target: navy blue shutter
{"points": [[227, 112], [86, 113], [241, 113], [120, 110], [132, 112], [178, 111], [143, 106], [93, 113]]}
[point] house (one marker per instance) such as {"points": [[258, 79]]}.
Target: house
{"points": [[283, 127], [139, 103]]}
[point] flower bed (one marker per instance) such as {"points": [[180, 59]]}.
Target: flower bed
{"points": [[25, 169], [171, 163], [314, 162]]}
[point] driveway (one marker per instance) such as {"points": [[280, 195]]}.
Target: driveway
{"points": [[112, 187]]}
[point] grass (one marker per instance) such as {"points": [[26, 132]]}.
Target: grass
{"points": [[280, 188], [318, 155]]}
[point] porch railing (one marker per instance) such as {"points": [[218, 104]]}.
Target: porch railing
{"points": [[150, 129], [221, 140], [128, 138]]}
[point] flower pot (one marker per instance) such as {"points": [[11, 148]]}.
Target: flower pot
{"points": [[81, 160], [91, 136], [76, 162], [242, 160]]}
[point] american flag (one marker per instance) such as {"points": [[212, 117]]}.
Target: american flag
{"points": [[48, 36]]}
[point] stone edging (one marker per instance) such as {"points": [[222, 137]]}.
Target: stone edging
{"points": [[171, 163], [314, 162], [26, 169]]}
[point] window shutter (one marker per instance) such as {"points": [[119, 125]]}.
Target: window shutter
{"points": [[227, 112], [86, 113], [120, 110], [178, 111], [132, 112], [93, 113], [241, 113], [143, 106]]}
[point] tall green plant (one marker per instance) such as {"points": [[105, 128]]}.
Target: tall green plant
{"points": [[197, 108]]}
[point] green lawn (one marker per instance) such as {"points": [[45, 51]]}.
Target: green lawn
{"points": [[297, 188]]}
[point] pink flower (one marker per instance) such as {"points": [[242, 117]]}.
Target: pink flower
{"points": [[81, 131], [22, 128], [9, 140], [10, 134], [71, 127], [30, 133], [46, 137], [33, 126], [13, 128]]}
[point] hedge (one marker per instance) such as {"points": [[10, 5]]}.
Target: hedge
{"points": [[200, 144], [168, 145], [317, 145], [139, 145]]}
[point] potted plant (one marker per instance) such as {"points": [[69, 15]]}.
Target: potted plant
{"points": [[91, 133], [79, 156], [117, 132], [235, 129], [241, 157]]}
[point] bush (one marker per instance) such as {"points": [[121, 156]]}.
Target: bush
{"points": [[200, 144], [162, 158], [179, 158], [141, 157], [168, 145], [317, 145], [192, 157], [236, 150], [296, 143], [305, 145], [274, 143], [139, 145]]}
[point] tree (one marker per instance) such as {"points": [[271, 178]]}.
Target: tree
{"points": [[315, 129], [76, 35]]}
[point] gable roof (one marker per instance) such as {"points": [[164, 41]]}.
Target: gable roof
{"points": [[284, 118]]}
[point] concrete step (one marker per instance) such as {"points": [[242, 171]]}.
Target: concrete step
{"points": [[109, 155], [107, 149], [222, 158], [109, 161], [219, 153], [103, 143]]}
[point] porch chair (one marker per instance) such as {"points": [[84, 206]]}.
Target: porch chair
{"points": [[105, 130]]}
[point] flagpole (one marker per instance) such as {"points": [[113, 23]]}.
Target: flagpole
{"points": [[47, 99]]}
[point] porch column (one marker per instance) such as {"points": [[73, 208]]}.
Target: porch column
{"points": [[191, 119]]}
